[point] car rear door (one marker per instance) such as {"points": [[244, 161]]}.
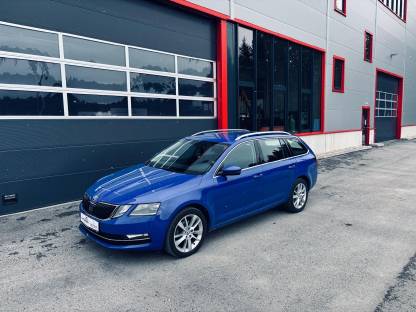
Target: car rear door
{"points": [[277, 170]]}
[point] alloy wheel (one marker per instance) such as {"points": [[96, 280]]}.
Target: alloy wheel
{"points": [[188, 233], [299, 196]]}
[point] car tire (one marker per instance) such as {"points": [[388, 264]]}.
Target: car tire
{"points": [[298, 196], [186, 233]]}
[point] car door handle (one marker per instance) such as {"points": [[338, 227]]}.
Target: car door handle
{"points": [[256, 176], [292, 166]]}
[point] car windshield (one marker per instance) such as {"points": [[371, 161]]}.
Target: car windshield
{"points": [[189, 156]]}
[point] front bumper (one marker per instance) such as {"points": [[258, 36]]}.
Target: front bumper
{"points": [[113, 232]]}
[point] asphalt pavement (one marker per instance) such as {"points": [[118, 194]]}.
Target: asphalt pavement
{"points": [[352, 249]]}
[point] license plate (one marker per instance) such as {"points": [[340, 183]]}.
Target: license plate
{"points": [[89, 222]]}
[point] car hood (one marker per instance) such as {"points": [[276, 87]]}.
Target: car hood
{"points": [[124, 187]]}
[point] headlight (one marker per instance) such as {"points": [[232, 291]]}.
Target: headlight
{"points": [[145, 209], [121, 210]]}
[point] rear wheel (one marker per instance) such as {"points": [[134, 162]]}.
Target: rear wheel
{"points": [[298, 196], [186, 233]]}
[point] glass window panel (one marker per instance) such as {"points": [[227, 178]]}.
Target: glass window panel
{"points": [[280, 63], [306, 96], [294, 88], [271, 150], [243, 156], [152, 84], [368, 47], [246, 54], [264, 81], [20, 40], [28, 103], [93, 51], [97, 105], [338, 74], [16, 71], [153, 107], [245, 107], [340, 5], [93, 78], [317, 91], [279, 99], [151, 60], [196, 88], [196, 108], [296, 147], [194, 67]]}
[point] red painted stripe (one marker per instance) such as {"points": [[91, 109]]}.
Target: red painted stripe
{"points": [[201, 9], [222, 75]]}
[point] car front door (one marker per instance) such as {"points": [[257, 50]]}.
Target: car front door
{"points": [[232, 196]]}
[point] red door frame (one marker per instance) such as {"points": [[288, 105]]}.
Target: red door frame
{"points": [[367, 133], [399, 101]]}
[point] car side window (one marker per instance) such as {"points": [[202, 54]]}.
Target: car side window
{"points": [[271, 149], [296, 147], [243, 155]]}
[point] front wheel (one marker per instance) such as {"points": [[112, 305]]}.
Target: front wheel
{"points": [[186, 233], [298, 196]]}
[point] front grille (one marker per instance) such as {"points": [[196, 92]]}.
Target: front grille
{"points": [[98, 210]]}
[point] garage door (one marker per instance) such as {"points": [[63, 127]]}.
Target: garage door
{"points": [[387, 102]]}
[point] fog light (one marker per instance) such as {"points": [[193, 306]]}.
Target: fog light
{"points": [[133, 236]]}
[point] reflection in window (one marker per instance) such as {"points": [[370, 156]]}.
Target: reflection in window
{"points": [[28, 103], [151, 60], [243, 156], [294, 87], [153, 107], [317, 91], [264, 81], [338, 75], [97, 105], [194, 67], [246, 53], [189, 87], [145, 83], [306, 93], [368, 47], [20, 40], [16, 71], [93, 51], [196, 108], [93, 78], [271, 150]]}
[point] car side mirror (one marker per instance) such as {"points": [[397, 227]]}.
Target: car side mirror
{"points": [[231, 171]]}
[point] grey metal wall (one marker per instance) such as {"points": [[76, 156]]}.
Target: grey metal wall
{"points": [[53, 161], [315, 22]]}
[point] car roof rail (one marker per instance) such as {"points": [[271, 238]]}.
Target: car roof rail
{"points": [[219, 131], [252, 134]]}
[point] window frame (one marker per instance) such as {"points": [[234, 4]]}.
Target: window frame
{"points": [[370, 60], [344, 10], [127, 69], [342, 89]]}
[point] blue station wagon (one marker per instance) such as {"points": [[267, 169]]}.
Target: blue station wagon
{"points": [[198, 184]]}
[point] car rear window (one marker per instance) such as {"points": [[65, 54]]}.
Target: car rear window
{"points": [[297, 147], [271, 149]]}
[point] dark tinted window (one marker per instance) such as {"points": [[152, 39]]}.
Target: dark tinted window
{"points": [[153, 107], [93, 51], [151, 60], [196, 88], [93, 78], [152, 84], [14, 39], [243, 156], [271, 150], [296, 147], [264, 81], [188, 66], [27, 103], [189, 156], [294, 87], [338, 75], [246, 53], [368, 48], [196, 108], [97, 105], [317, 87], [16, 71]]}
